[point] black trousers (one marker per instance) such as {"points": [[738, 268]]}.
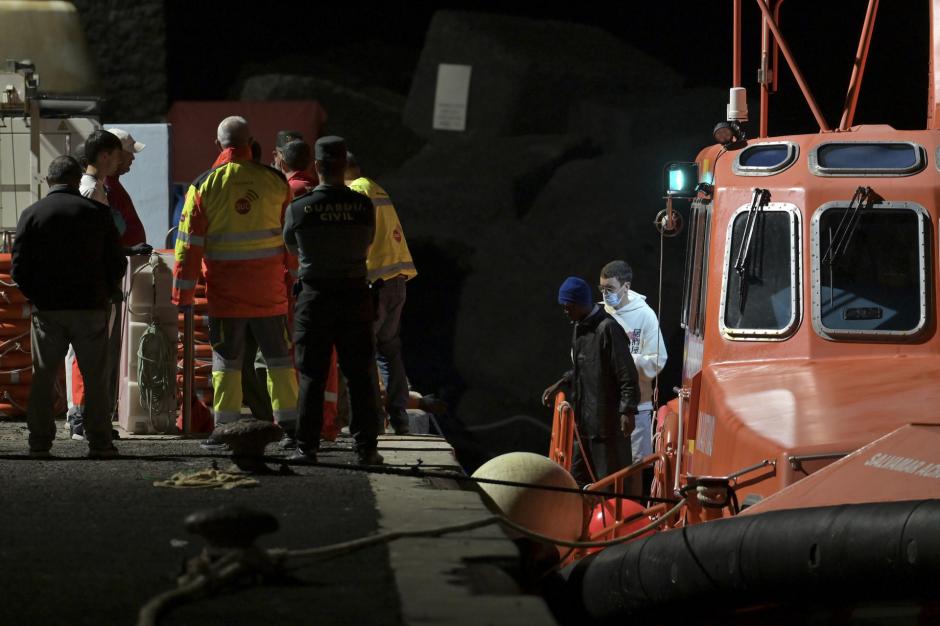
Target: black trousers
{"points": [[606, 456], [342, 316]]}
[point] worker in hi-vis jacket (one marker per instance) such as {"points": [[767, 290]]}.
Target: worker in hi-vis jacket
{"points": [[232, 219]]}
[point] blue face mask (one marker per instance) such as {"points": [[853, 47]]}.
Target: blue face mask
{"points": [[613, 298]]}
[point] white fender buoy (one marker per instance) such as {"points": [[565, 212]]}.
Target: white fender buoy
{"points": [[556, 514]]}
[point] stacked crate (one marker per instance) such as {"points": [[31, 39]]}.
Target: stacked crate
{"points": [[202, 348], [15, 356]]}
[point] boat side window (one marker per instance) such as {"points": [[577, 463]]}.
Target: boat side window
{"points": [[765, 159], [760, 296], [693, 299], [871, 158], [873, 283]]}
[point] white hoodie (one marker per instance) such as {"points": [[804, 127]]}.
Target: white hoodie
{"points": [[646, 340]]}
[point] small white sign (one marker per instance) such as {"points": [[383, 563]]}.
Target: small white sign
{"points": [[450, 98]]}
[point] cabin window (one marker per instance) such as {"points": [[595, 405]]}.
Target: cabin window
{"points": [[855, 158], [693, 297], [765, 159], [760, 299], [873, 283]]}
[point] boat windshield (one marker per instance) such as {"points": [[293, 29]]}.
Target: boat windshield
{"points": [[760, 289], [876, 283]]}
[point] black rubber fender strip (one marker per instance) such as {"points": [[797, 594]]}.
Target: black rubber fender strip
{"points": [[855, 552]]}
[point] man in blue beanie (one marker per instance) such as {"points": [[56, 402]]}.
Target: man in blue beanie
{"points": [[602, 386]]}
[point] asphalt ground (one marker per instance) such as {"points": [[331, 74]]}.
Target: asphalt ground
{"points": [[89, 542]]}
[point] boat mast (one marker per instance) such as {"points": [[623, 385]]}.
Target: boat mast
{"points": [[791, 61], [858, 69], [933, 101]]}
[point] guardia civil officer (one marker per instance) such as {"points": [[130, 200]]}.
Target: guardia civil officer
{"points": [[330, 229]]}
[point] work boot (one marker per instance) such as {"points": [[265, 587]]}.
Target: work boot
{"points": [[213, 445], [398, 420], [103, 453], [300, 457], [287, 443], [370, 457]]}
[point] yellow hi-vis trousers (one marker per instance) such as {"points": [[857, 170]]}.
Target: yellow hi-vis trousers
{"points": [[227, 335]]}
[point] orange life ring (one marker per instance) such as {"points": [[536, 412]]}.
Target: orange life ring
{"points": [[20, 376], [18, 394], [12, 328], [24, 341], [15, 359], [199, 321], [11, 295], [14, 311], [199, 382], [11, 410]]}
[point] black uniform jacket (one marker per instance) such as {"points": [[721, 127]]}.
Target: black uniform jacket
{"points": [[604, 378], [330, 229], [67, 253]]}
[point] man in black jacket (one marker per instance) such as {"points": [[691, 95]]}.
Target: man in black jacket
{"points": [[603, 387], [331, 229], [67, 259]]}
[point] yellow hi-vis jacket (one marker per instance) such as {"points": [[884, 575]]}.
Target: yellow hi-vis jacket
{"points": [[389, 255], [234, 218]]}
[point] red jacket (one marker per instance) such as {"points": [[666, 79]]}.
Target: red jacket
{"points": [[301, 183], [121, 201]]}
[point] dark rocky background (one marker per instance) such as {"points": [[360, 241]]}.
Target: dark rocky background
{"points": [[573, 112]]}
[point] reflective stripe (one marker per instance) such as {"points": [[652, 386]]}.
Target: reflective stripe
{"points": [[243, 255], [377, 202], [227, 417], [330, 396], [182, 284], [245, 236], [282, 383], [225, 365], [285, 414], [281, 362], [397, 268], [193, 240]]}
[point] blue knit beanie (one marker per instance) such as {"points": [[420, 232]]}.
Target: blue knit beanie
{"points": [[576, 291]]}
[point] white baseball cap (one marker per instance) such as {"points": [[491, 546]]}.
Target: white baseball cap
{"points": [[127, 142]]}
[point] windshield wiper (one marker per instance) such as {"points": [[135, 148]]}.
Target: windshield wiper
{"points": [[839, 242], [759, 201]]}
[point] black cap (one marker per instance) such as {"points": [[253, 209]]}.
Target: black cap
{"points": [[286, 136], [330, 148]]}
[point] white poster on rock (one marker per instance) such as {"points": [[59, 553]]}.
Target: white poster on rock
{"points": [[450, 98]]}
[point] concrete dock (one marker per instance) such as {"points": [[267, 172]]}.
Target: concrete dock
{"points": [[89, 542]]}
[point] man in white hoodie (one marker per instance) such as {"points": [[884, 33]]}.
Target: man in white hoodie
{"points": [[646, 344]]}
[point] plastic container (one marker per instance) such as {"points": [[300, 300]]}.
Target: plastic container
{"points": [[137, 420]]}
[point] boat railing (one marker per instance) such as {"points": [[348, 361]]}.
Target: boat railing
{"points": [[614, 515], [562, 441]]}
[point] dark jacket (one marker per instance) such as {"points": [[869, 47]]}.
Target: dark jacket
{"points": [[67, 253], [330, 229], [604, 379]]}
